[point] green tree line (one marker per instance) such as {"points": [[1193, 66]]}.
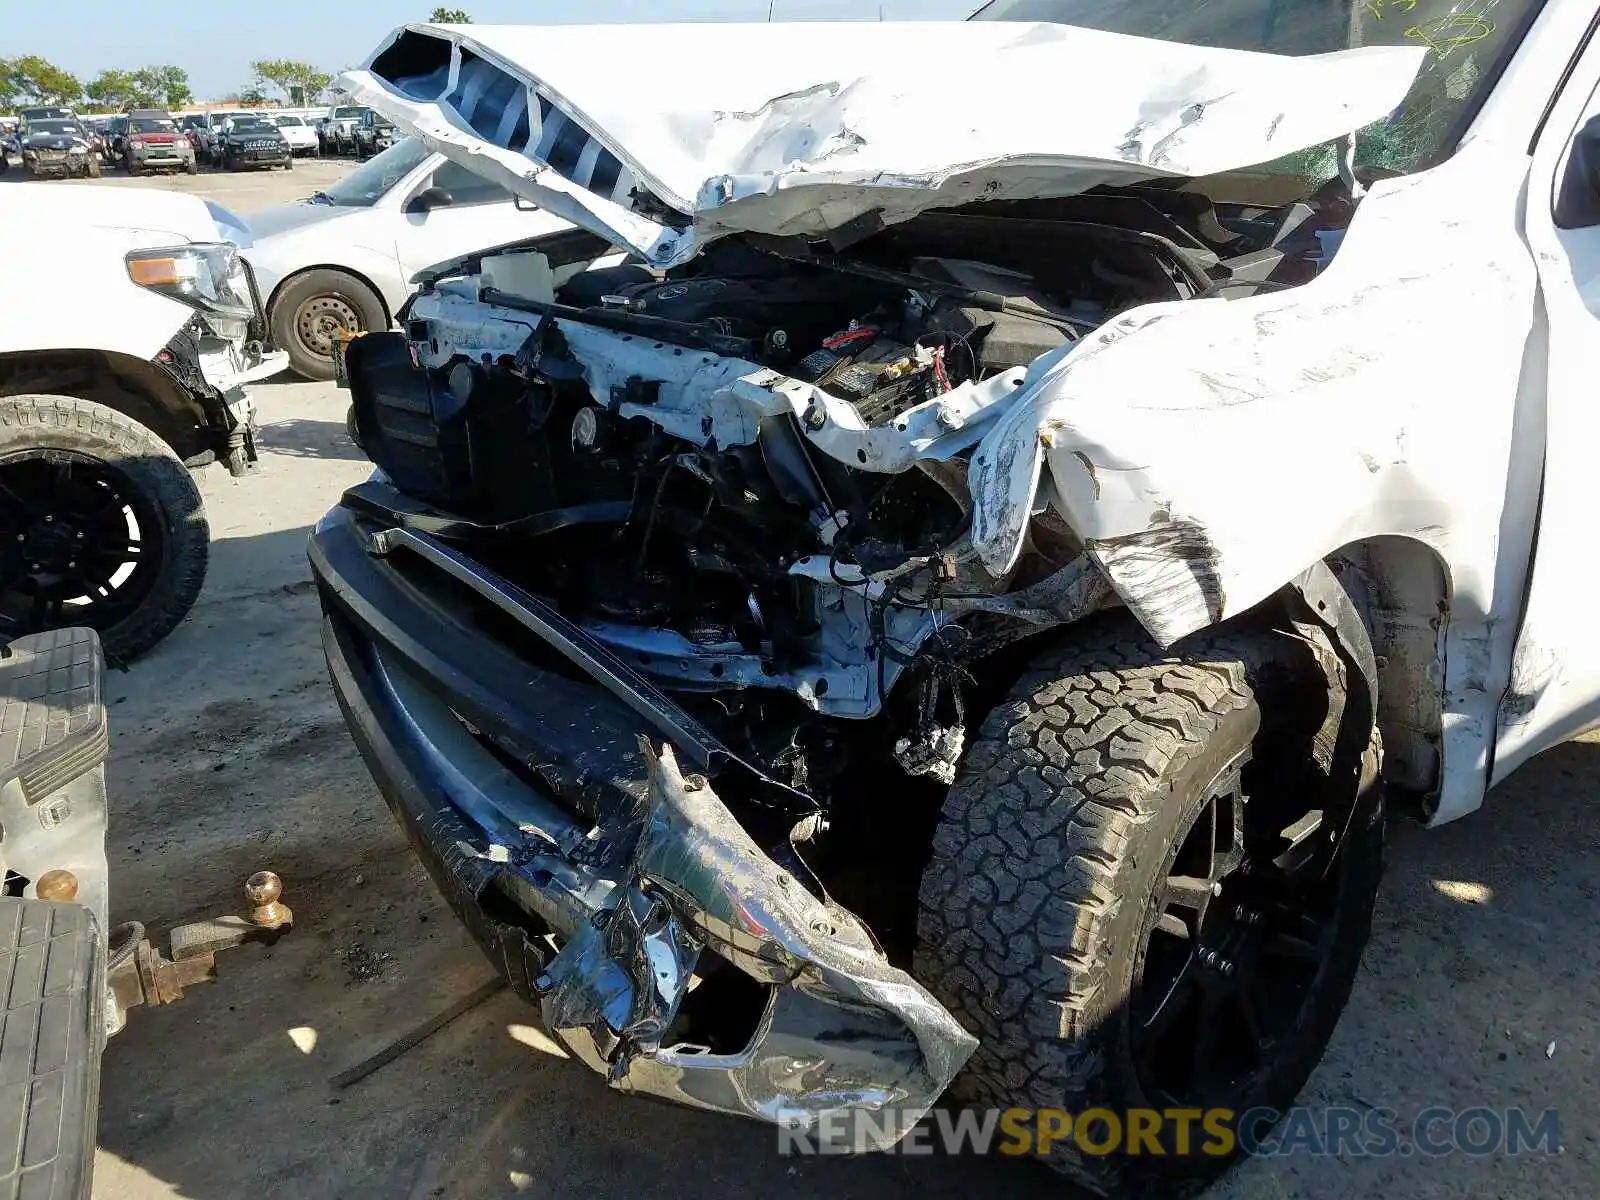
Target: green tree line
{"points": [[30, 79]]}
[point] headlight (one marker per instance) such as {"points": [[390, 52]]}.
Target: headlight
{"points": [[206, 275]]}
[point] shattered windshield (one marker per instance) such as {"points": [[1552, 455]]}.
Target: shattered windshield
{"points": [[1468, 43]]}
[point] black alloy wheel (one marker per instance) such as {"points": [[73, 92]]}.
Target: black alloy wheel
{"points": [[1237, 943], [85, 551]]}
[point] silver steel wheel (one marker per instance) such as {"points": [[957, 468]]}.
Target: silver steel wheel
{"points": [[318, 321]]}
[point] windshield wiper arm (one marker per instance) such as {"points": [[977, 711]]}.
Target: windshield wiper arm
{"points": [[320, 198]]}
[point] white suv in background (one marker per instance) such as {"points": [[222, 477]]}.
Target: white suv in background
{"points": [[301, 137]]}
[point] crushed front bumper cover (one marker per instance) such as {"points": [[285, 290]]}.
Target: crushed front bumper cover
{"points": [[604, 880]]}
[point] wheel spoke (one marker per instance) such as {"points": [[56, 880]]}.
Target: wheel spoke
{"points": [[1287, 945], [24, 511], [1233, 855], [12, 573], [60, 480], [46, 610], [103, 510], [1186, 892], [1172, 923], [1173, 1001], [123, 549], [1204, 1046], [1250, 1018], [1303, 838]]}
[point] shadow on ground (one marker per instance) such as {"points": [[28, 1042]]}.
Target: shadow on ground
{"points": [[304, 438]]}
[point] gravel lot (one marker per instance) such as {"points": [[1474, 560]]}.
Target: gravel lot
{"points": [[228, 755]]}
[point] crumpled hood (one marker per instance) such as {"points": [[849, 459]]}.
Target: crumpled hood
{"points": [[664, 137]]}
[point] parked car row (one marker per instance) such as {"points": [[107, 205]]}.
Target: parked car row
{"points": [[150, 138], [147, 140]]}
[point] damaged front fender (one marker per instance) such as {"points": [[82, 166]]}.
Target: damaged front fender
{"points": [[1207, 451]]}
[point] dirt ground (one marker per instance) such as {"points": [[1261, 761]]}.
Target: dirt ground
{"points": [[228, 755]]}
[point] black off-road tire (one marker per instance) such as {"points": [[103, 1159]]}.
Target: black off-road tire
{"points": [[94, 431], [1068, 809], [309, 286]]}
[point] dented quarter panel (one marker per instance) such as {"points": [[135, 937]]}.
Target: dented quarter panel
{"points": [[1207, 451], [773, 141]]}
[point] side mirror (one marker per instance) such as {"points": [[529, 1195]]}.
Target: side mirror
{"points": [[1578, 198], [430, 198]]}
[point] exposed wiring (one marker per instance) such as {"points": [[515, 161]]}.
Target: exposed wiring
{"points": [[860, 333], [650, 521]]}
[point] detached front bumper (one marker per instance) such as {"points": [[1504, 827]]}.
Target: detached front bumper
{"points": [[605, 882]]}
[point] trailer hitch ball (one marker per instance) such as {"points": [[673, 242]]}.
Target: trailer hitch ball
{"points": [[262, 890], [146, 976]]}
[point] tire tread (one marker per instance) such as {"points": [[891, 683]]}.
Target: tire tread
{"points": [[98, 431], [1026, 860]]}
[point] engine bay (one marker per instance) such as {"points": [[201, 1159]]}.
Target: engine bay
{"points": [[749, 474]]}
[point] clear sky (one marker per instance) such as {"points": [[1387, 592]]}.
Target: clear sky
{"points": [[216, 41]]}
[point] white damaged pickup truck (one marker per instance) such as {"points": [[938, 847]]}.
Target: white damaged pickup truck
{"points": [[936, 581], [129, 329]]}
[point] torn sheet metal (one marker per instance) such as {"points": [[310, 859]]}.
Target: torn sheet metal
{"points": [[842, 1028], [663, 138]]}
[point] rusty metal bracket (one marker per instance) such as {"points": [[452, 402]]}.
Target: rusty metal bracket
{"points": [[145, 976]]}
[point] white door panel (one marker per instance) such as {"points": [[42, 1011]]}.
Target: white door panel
{"points": [[1554, 690]]}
